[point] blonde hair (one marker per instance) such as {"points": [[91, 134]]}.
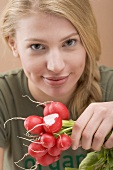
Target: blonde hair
{"points": [[79, 13]]}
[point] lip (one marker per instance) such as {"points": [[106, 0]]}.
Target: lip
{"points": [[55, 81]]}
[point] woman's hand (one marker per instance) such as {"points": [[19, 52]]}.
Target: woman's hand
{"points": [[92, 127]]}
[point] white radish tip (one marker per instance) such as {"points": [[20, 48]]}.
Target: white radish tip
{"points": [[50, 119]]}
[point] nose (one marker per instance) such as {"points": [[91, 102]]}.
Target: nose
{"points": [[55, 62]]}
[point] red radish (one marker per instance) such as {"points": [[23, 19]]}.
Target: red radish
{"points": [[57, 158], [64, 142], [47, 140], [46, 160], [54, 151], [57, 107], [36, 149], [34, 124], [46, 110], [52, 123]]}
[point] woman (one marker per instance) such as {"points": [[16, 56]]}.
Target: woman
{"points": [[57, 43]]}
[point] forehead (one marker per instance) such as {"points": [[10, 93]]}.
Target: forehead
{"points": [[42, 21]]}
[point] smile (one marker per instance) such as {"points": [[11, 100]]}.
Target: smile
{"points": [[55, 81]]}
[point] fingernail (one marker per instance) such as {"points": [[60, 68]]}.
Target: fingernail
{"points": [[74, 147]]}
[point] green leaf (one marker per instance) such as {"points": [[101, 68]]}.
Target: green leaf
{"points": [[89, 161], [68, 168]]}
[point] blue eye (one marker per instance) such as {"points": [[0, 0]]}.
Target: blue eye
{"points": [[70, 42], [37, 47]]}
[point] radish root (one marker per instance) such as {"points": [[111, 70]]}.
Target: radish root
{"points": [[30, 140], [14, 118], [38, 103], [21, 160], [16, 163], [31, 135], [34, 128]]}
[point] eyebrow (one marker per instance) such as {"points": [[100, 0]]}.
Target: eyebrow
{"points": [[41, 40], [70, 35]]}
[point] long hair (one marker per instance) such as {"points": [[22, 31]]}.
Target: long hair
{"points": [[80, 14]]}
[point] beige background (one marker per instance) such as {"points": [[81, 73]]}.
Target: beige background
{"points": [[103, 10]]}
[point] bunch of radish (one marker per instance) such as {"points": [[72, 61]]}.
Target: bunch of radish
{"points": [[50, 134]]}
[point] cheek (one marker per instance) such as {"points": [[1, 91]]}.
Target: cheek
{"points": [[79, 59], [33, 69], [29, 61], [31, 65]]}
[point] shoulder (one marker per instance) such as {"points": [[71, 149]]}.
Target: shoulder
{"points": [[11, 77], [9, 74], [106, 82], [106, 71], [106, 74], [12, 83]]}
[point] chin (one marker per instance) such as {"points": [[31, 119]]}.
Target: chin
{"points": [[57, 94]]}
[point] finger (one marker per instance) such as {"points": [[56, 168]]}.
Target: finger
{"points": [[90, 129], [101, 134], [109, 143], [86, 126], [80, 125]]}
